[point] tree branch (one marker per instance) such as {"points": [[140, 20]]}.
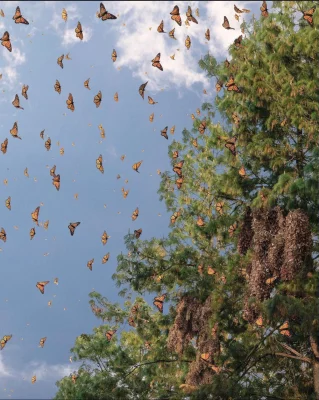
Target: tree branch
{"points": [[304, 359], [153, 362]]}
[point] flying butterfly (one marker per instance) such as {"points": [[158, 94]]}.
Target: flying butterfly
{"points": [[4, 341], [41, 285], [219, 207], [67, 57], [207, 34], [194, 142], [188, 42], [18, 18], [236, 118], [64, 14], [131, 322], [179, 182], [116, 97], [25, 91], [104, 238], [99, 164], [232, 229], [3, 235], [35, 215], [78, 31], [123, 157], [60, 61], [4, 146], [175, 154], [172, 130], [5, 41], [151, 101], [86, 84], [72, 226], [2, 13], [159, 302], [90, 264], [177, 168], [8, 203], [56, 182], [26, 173], [231, 85], [237, 42], [57, 88], [42, 341], [105, 15], [52, 170], [137, 233], [172, 57], [114, 55], [238, 11], [32, 233], [160, 28], [218, 86], [175, 16], [200, 222], [171, 34], [156, 62], [307, 15], [70, 103], [189, 15], [125, 193], [136, 166], [231, 145], [14, 131], [33, 379], [47, 144], [105, 258], [202, 127], [264, 9], [164, 132], [16, 102], [97, 99], [141, 89], [236, 17], [226, 25], [109, 334], [151, 117], [135, 214], [46, 224]]}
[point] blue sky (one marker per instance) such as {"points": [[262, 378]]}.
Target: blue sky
{"points": [[24, 312]]}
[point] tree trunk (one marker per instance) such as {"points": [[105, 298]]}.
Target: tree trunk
{"points": [[316, 378]]}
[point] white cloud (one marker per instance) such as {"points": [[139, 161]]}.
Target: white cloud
{"points": [[70, 38], [16, 57], [47, 372], [4, 370]]}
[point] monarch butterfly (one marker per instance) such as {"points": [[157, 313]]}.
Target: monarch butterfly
{"points": [[56, 281], [70, 103], [60, 61], [175, 16], [236, 118], [67, 57], [175, 154], [123, 157], [177, 168], [42, 341], [72, 227], [135, 214], [159, 301], [200, 222], [226, 25], [131, 322], [151, 117], [137, 165], [109, 334], [4, 146], [210, 271], [47, 144], [90, 264], [174, 217], [16, 102], [57, 88], [105, 15], [242, 172], [207, 34], [188, 42], [164, 132], [171, 34], [156, 62], [41, 285], [56, 182], [172, 57], [219, 207], [5, 41], [151, 101], [2, 13], [134, 309], [5, 340], [147, 345], [231, 145], [99, 164], [18, 18], [138, 233], [78, 31], [283, 329], [237, 17], [62, 151], [190, 16], [105, 258], [179, 182], [26, 173], [218, 86], [160, 28], [172, 130], [202, 127], [97, 99], [141, 89], [271, 280], [116, 97], [194, 142], [114, 55], [244, 10], [125, 193], [35, 215], [3, 235], [32, 233], [307, 15], [24, 91], [86, 84], [52, 170], [237, 42], [74, 378], [14, 131], [231, 85], [232, 229], [33, 379], [64, 15], [8, 203], [264, 9], [104, 238]]}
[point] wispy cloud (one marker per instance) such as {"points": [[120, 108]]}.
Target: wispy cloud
{"points": [[47, 372], [70, 38], [4, 369]]}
